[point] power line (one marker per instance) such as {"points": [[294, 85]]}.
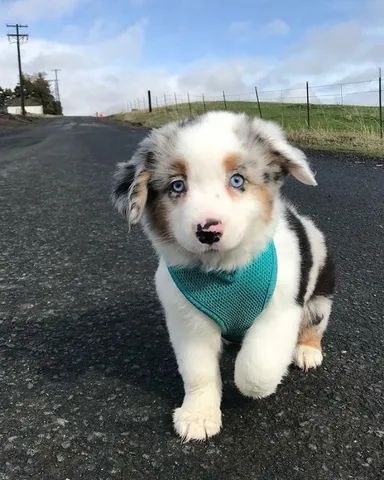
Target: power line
{"points": [[23, 37], [57, 92]]}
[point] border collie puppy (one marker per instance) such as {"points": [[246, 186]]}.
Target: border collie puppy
{"points": [[236, 261]]}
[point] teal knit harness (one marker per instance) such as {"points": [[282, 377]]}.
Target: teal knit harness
{"points": [[234, 300]]}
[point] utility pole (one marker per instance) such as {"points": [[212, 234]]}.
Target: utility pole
{"points": [[23, 37], [57, 92], [380, 106]]}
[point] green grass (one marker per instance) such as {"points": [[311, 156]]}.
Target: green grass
{"points": [[332, 127]]}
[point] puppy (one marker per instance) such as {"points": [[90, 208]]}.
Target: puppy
{"points": [[235, 259]]}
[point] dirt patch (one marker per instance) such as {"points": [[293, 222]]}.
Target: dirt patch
{"points": [[8, 120]]}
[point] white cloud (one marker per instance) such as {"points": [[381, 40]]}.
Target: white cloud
{"points": [[344, 52], [105, 75], [93, 76], [277, 27], [334, 51], [234, 76], [33, 10]]}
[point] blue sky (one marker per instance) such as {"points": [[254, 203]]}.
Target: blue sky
{"points": [[183, 30], [130, 45]]}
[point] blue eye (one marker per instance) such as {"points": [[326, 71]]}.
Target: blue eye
{"points": [[237, 181], [178, 186]]}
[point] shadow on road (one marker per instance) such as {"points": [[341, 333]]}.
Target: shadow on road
{"points": [[124, 341], [127, 342]]}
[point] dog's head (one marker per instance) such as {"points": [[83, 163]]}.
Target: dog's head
{"points": [[209, 187]]}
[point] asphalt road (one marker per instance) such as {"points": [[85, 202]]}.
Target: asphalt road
{"points": [[87, 376]]}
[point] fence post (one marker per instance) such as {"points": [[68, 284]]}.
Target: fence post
{"points": [[308, 117], [225, 101], [189, 105], [149, 101], [205, 107], [380, 106], [165, 103], [258, 102], [177, 107]]}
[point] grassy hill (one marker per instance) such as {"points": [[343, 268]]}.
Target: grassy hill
{"points": [[332, 127]]}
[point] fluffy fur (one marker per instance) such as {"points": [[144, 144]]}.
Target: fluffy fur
{"points": [[205, 154]]}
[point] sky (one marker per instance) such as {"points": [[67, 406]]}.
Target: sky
{"points": [[111, 52]]}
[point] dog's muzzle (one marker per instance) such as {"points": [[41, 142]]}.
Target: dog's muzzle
{"points": [[210, 232]]}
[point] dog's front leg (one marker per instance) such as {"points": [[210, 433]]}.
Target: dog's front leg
{"points": [[267, 350], [197, 354], [197, 345]]}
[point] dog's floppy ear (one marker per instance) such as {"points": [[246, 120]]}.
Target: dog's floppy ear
{"points": [[130, 189], [290, 159]]}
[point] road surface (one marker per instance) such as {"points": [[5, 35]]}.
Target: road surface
{"points": [[88, 379]]}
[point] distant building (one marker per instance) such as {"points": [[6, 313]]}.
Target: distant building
{"points": [[32, 106]]}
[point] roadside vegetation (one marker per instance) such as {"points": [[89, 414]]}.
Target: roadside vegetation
{"points": [[332, 127], [36, 88]]}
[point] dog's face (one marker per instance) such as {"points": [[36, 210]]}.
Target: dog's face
{"points": [[209, 184]]}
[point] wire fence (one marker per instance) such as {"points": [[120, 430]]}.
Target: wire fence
{"points": [[336, 106]]}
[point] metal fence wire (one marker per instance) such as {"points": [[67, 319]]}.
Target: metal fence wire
{"points": [[337, 106]]}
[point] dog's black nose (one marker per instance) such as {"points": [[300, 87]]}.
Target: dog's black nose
{"points": [[208, 237], [210, 232]]}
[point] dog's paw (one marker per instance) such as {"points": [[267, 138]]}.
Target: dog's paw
{"points": [[196, 424], [307, 357], [255, 389], [256, 379]]}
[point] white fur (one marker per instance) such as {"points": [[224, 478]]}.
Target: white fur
{"points": [[269, 345], [318, 251], [196, 341], [275, 135], [307, 357], [267, 350]]}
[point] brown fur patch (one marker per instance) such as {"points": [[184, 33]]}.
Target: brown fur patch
{"points": [[310, 337], [265, 197], [179, 168], [158, 215], [277, 160], [231, 162], [276, 169], [138, 195]]}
